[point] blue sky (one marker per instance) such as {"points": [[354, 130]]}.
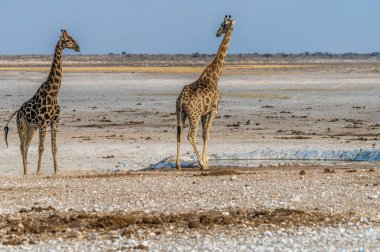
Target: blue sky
{"points": [[178, 26]]}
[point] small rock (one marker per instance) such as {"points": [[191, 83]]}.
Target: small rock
{"points": [[296, 198], [23, 210], [180, 230], [194, 224], [142, 247], [373, 197], [268, 233], [327, 170]]}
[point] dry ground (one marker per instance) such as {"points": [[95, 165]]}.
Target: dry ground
{"points": [[119, 119], [149, 206]]}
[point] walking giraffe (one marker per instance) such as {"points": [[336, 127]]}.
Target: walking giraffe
{"points": [[42, 109], [200, 100]]}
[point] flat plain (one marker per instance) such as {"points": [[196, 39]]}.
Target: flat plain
{"points": [[118, 118]]}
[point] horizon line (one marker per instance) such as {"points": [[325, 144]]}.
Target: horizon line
{"points": [[305, 53]]}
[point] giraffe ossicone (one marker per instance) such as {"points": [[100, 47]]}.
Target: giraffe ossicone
{"points": [[42, 110], [199, 101]]}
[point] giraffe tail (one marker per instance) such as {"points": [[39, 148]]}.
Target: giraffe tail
{"points": [[179, 121], [180, 125], [6, 128]]}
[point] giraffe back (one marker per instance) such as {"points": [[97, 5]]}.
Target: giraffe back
{"points": [[199, 97]]}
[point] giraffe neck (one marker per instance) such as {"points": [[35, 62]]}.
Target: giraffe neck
{"points": [[53, 82], [214, 70]]}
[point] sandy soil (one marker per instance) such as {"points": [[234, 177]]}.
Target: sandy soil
{"points": [[117, 121], [122, 122], [225, 208]]}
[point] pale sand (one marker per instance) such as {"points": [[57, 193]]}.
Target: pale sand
{"points": [[105, 129]]}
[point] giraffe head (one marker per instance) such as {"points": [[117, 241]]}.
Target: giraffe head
{"points": [[68, 42], [227, 24]]}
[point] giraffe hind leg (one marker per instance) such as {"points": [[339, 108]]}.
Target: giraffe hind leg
{"points": [[181, 118], [29, 136], [192, 136], [26, 133], [22, 132]]}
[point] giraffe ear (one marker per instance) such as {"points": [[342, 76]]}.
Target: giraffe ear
{"points": [[233, 22]]}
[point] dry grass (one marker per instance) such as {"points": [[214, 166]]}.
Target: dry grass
{"points": [[254, 95], [158, 94], [149, 69], [340, 89], [246, 95], [309, 89]]}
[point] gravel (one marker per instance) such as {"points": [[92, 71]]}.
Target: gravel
{"points": [[354, 238], [351, 195]]}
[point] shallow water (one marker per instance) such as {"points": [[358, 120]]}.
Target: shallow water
{"points": [[274, 157]]}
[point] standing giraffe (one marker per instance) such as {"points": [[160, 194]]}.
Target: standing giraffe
{"points": [[42, 109], [200, 100]]}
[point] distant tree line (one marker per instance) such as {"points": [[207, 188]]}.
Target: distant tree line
{"points": [[352, 55]]}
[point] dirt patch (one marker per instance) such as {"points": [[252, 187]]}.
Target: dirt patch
{"points": [[219, 172], [212, 171], [94, 175], [110, 124], [37, 209], [328, 170], [295, 137], [351, 170], [46, 223]]}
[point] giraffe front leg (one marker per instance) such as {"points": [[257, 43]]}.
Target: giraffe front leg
{"points": [[54, 128], [41, 149], [206, 136], [192, 136]]}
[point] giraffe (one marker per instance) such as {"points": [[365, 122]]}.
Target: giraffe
{"points": [[42, 109], [200, 100]]}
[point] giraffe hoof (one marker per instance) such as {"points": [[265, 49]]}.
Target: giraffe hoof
{"points": [[204, 167], [178, 165]]}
